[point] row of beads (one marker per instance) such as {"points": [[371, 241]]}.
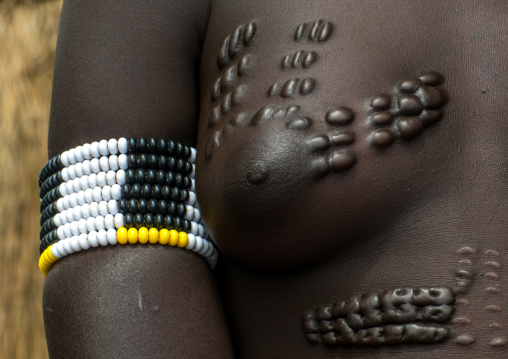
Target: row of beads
{"points": [[123, 236]]}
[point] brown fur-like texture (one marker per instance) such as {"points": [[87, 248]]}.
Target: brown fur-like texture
{"points": [[28, 32]]}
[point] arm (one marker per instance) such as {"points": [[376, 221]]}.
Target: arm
{"points": [[130, 69]]}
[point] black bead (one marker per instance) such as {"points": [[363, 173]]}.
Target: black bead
{"points": [[148, 220], [132, 161], [152, 161], [152, 206], [151, 176], [180, 210], [143, 160], [136, 191], [187, 167], [162, 162], [156, 191], [184, 195], [59, 177], [178, 223], [175, 194], [158, 221], [168, 222], [180, 165], [132, 145], [178, 179], [179, 150], [138, 220], [170, 178], [132, 205], [146, 191], [126, 191], [162, 146], [162, 206], [122, 205], [171, 164], [130, 176], [166, 193], [140, 175], [143, 205], [172, 209], [161, 177], [142, 145], [186, 152], [171, 148], [128, 219], [186, 183], [186, 225], [151, 145]]}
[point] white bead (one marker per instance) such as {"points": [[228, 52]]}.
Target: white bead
{"points": [[60, 233], [116, 191], [113, 162], [122, 162], [123, 146], [67, 246], [78, 154], [76, 213], [90, 224], [82, 226], [201, 230], [192, 157], [106, 193], [66, 203], [210, 250], [99, 222], [85, 211], [69, 214], [65, 174], [199, 244], [70, 186], [112, 236], [55, 252], [86, 151], [113, 207], [121, 177], [192, 185], [73, 199], [103, 208], [76, 184], [64, 158], [109, 221], [70, 155], [111, 177], [101, 179], [81, 197], [71, 171], [92, 239], [104, 163], [61, 249], [86, 167], [113, 146], [189, 212], [60, 205], [78, 168], [75, 228], [89, 195], [193, 172], [57, 220], [63, 189], [103, 147], [95, 165], [94, 149], [83, 241], [94, 209], [75, 244], [205, 247], [191, 242], [97, 194], [102, 237], [192, 198], [197, 215], [63, 217], [194, 228], [119, 222], [83, 182], [92, 180]]}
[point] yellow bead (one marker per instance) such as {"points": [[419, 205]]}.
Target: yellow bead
{"points": [[174, 237], [121, 235], [164, 236], [132, 235], [183, 239], [153, 235], [143, 235]]}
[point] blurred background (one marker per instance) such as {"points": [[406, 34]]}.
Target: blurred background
{"points": [[28, 31]]}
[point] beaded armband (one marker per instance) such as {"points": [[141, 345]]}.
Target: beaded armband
{"points": [[120, 191]]}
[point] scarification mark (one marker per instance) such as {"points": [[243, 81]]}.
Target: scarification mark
{"points": [[461, 321], [465, 339], [492, 253], [493, 290], [230, 76], [292, 88], [492, 275], [493, 264], [418, 103], [318, 31], [493, 308], [300, 59], [234, 43], [496, 326], [498, 342], [462, 302], [466, 250], [140, 301], [465, 262], [339, 116]]}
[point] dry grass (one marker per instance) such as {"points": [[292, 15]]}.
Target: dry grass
{"points": [[27, 41]]}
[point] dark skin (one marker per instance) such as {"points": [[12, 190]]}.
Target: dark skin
{"points": [[293, 234]]}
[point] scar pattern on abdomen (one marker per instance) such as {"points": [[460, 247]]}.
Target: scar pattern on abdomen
{"points": [[392, 317]]}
